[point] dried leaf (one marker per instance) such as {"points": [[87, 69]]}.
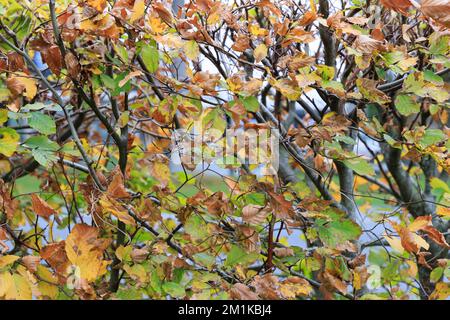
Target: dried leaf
{"points": [[255, 214], [438, 10], [240, 291], [436, 236], [397, 5], [40, 207]]}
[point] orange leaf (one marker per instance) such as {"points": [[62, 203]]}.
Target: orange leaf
{"points": [[41, 207], [116, 188], [436, 236], [401, 6], [419, 223]]}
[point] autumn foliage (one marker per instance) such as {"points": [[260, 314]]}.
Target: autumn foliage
{"points": [[92, 207]]}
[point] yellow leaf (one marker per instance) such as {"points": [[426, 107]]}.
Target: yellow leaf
{"points": [[419, 223], [420, 242], [443, 211], [7, 260], [47, 290], [21, 83], [412, 270], [157, 25], [138, 10], [22, 287], [123, 253], [7, 286], [137, 272], [85, 251], [159, 169], [14, 287], [260, 52], [9, 141], [191, 49], [115, 208], [295, 286], [97, 4], [441, 291], [129, 76], [395, 243]]}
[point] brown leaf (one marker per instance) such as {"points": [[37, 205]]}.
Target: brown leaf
{"points": [[15, 62], [438, 10], [248, 238], [295, 286], [31, 262], [241, 43], [116, 188], [7, 204], [335, 282], [139, 255], [53, 58], [282, 208], [40, 207], [366, 44], [357, 261], [21, 83], [283, 252], [421, 256], [308, 18], [72, 64], [56, 257], [410, 241], [436, 236], [267, 286], [240, 291], [163, 12], [254, 214], [217, 203], [401, 6]]}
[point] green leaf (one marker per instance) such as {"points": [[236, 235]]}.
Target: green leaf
{"points": [[430, 76], [42, 149], [191, 49], [196, 227], [129, 294], [33, 106], [360, 166], [325, 72], [9, 140], [150, 56], [26, 185], [204, 259], [237, 255], [336, 232], [392, 142], [174, 289], [44, 157], [406, 105], [3, 116], [431, 137], [42, 123], [439, 46], [256, 198], [251, 103], [436, 274]]}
